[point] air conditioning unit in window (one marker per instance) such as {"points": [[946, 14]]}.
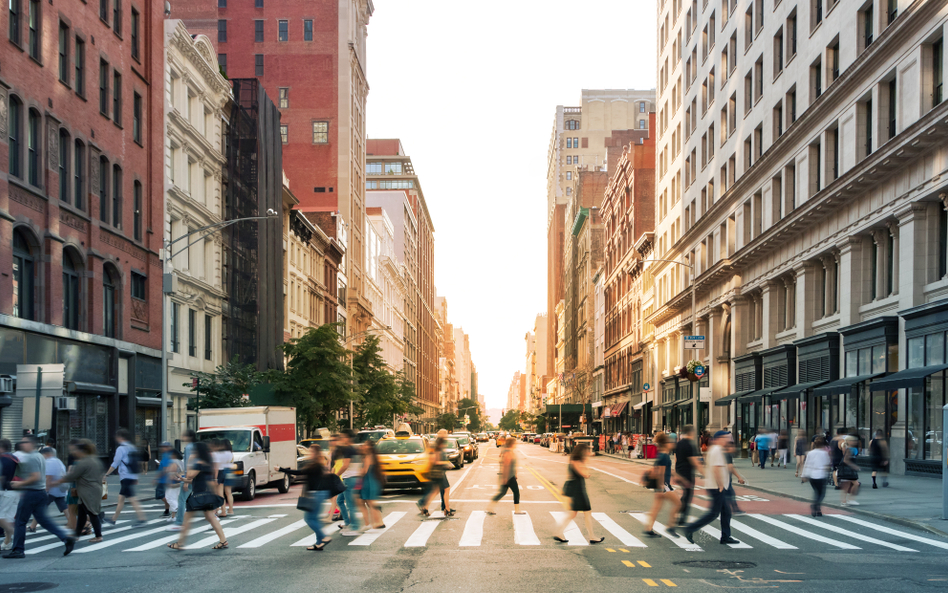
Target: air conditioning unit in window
{"points": [[66, 403], [6, 384]]}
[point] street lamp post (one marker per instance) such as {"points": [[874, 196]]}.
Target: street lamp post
{"points": [[167, 289], [351, 354]]}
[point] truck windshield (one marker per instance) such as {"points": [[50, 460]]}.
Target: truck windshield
{"points": [[239, 439], [397, 447]]}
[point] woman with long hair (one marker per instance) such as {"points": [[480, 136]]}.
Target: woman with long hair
{"points": [[661, 474], [314, 468], [575, 490], [373, 481], [202, 499], [224, 461], [86, 472], [437, 478], [508, 477]]}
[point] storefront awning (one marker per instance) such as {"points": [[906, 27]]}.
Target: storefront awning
{"points": [[796, 390], [842, 385], [907, 378], [727, 399], [619, 408], [757, 396]]}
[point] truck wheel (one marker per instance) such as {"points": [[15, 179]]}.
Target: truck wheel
{"points": [[284, 485], [251, 490]]}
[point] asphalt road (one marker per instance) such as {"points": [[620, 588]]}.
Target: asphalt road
{"points": [[782, 548]]}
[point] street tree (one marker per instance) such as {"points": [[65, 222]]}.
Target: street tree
{"points": [[227, 387], [380, 395], [317, 378]]}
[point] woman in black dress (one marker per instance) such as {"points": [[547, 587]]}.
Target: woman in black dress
{"points": [[575, 490]]}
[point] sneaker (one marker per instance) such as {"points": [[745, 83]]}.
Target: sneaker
{"points": [[351, 533]]}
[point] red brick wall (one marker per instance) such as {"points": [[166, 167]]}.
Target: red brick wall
{"points": [[55, 225]]}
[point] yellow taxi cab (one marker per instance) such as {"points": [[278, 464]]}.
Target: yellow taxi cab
{"points": [[403, 459]]}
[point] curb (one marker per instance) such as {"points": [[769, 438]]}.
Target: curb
{"points": [[882, 516]]}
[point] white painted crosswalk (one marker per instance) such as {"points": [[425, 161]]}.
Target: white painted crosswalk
{"points": [[475, 528]]}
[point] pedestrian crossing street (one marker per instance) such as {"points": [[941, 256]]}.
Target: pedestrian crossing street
{"points": [[255, 528]]}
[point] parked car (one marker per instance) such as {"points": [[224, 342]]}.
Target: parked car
{"points": [[468, 445]]}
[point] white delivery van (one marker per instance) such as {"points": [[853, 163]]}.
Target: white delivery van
{"points": [[263, 439]]}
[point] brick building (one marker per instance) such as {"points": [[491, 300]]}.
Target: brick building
{"points": [[81, 120], [310, 58]]}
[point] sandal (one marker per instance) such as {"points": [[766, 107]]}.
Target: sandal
{"points": [[174, 546], [220, 545]]}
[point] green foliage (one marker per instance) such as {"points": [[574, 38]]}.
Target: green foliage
{"points": [[474, 413], [317, 378], [510, 421], [226, 386], [448, 421], [380, 395]]}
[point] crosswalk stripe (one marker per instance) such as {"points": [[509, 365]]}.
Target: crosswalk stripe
{"points": [[772, 541], [171, 538], [616, 530], [373, 534], [572, 532], [883, 529], [473, 529], [805, 533], [523, 531], [679, 541], [265, 539], [716, 534], [228, 533], [111, 542], [419, 538], [847, 533]]}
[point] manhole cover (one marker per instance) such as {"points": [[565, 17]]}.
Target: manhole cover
{"points": [[716, 564], [26, 587]]}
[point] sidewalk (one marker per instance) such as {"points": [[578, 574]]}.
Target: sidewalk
{"points": [[909, 500]]}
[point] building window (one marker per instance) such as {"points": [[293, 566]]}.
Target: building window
{"points": [[192, 332], [284, 133], [23, 277], [36, 25], [137, 118], [116, 196], [79, 175], [175, 311], [284, 98], [136, 33], [208, 333], [258, 65], [109, 302], [139, 286], [15, 21], [80, 59], [71, 287], [33, 148], [320, 132], [64, 180], [64, 52], [284, 30], [103, 189], [222, 61], [104, 88], [258, 31], [117, 17], [117, 98], [307, 30], [137, 213], [222, 31]]}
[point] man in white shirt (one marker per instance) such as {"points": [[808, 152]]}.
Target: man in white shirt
{"points": [[716, 483]]}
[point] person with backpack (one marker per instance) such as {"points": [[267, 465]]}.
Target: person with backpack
{"points": [[127, 462], [8, 496]]}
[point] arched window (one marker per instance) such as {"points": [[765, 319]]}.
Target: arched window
{"points": [[71, 289], [110, 316], [23, 277], [64, 180], [16, 136], [117, 196], [33, 148], [79, 175], [104, 189]]}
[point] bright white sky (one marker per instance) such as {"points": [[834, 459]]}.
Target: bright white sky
{"points": [[471, 89]]}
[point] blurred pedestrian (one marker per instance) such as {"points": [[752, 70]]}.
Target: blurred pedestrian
{"points": [[717, 482], [659, 479], [687, 466], [29, 478], [437, 478], [202, 498], [314, 493], [55, 493], [799, 451], [508, 477], [879, 458], [783, 446], [575, 490], [373, 482], [848, 473], [86, 472], [9, 498], [126, 462], [816, 470]]}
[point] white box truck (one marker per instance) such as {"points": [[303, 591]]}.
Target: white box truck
{"points": [[263, 439]]}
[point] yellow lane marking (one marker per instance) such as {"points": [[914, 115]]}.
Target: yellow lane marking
{"points": [[650, 582], [669, 583], [629, 564], [610, 550], [645, 564]]}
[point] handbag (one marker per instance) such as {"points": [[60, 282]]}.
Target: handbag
{"points": [[306, 503], [203, 501]]}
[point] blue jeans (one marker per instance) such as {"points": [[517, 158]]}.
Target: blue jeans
{"points": [[33, 504], [313, 518], [182, 504], [347, 506]]}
